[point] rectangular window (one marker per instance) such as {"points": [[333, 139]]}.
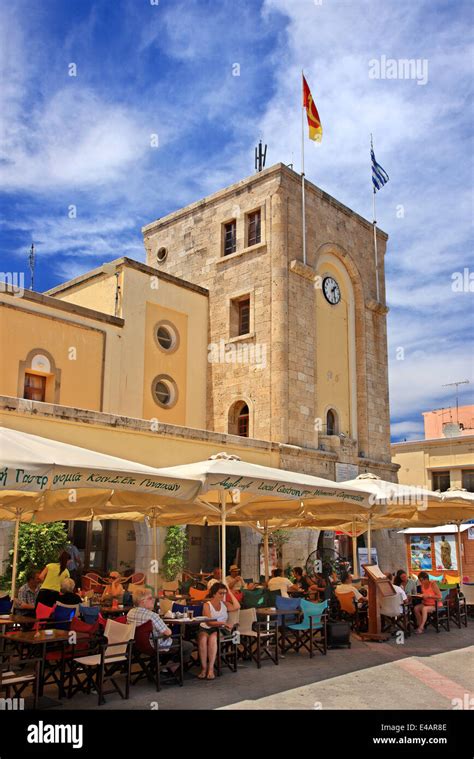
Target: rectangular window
{"points": [[230, 237], [244, 316], [35, 387], [254, 228], [468, 479], [441, 480]]}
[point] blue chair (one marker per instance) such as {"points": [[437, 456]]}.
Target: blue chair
{"points": [[311, 632], [5, 605], [288, 604], [89, 614], [61, 617], [196, 608]]}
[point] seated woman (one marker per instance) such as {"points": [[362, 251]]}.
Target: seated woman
{"points": [[115, 589], [403, 581], [431, 598], [217, 608], [67, 595]]}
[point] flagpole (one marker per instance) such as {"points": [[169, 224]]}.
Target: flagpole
{"points": [[374, 224], [303, 210]]}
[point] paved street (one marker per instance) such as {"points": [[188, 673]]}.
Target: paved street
{"points": [[426, 672]]}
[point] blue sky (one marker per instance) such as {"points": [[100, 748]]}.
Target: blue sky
{"points": [[166, 69]]}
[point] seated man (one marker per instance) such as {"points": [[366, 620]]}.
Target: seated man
{"points": [[142, 611], [278, 582], [233, 580], [216, 577], [345, 588], [27, 595]]}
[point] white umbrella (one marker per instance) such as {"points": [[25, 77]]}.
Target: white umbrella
{"points": [[51, 480], [259, 492], [389, 501]]}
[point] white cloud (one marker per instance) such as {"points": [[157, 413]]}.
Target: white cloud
{"points": [[407, 430]]}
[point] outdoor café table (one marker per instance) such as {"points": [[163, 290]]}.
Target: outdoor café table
{"points": [[8, 620], [268, 612], [40, 638], [184, 623]]}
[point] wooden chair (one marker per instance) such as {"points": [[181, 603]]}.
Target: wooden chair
{"points": [[467, 592], [349, 611], [136, 579], [396, 620], [152, 660], [457, 607], [439, 618], [197, 595], [15, 682], [170, 588], [258, 638], [114, 658], [227, 642], [311, 632]]}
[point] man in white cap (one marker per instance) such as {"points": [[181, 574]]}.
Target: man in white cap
{"points": [[234, 581]]}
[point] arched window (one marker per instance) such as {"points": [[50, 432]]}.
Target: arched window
{"points": [[331, 422], [239, 419]]}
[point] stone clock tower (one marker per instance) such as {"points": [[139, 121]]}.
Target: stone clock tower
{"points": [[297, 352]]}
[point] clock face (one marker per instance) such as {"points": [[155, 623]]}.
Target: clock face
{"points": [[331, 290]]}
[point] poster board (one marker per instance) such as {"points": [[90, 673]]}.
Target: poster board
{"points": [[445, 552]]}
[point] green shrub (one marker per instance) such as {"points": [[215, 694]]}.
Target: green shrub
{"points": [[176, 542], [38, 545]]}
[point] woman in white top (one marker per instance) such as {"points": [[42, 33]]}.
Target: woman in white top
{"points": [[217, 609]]}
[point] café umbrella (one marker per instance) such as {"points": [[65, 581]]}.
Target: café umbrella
{"points": [[46, 480], [252, 492]]}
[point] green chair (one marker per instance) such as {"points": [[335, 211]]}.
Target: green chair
{"points": [[252, 599], [311, 632]]}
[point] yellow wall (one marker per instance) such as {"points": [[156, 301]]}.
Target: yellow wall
{"points": [[333, 385], [21, 331], [159, 362], [144, 446], [419, 459], [143, 297], [97, 293]]}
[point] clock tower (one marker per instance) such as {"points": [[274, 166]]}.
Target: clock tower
{"points": [[297, 351]]}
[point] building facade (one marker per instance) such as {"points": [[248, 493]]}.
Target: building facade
{"points": [[224, 334]]}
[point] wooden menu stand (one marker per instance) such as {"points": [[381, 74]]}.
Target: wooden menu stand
{"points": [[379, 586]]}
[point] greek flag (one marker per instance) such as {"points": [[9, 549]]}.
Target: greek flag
{"points": [[379, 175]]}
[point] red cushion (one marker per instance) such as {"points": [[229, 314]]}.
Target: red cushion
{"points": [[78, 625], [43, 612]]}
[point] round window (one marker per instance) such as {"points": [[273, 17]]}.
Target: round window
{"points": [[165, 391], [161, 255], [166, 336]]}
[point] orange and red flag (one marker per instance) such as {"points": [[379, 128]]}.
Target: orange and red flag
{"points": [[314, 122]]}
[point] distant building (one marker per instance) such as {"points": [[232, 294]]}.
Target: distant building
{"points": [[445, 457]]}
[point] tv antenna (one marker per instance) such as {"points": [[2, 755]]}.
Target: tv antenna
{"points": [[260, 156], [31, 259], [456, 385]]}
